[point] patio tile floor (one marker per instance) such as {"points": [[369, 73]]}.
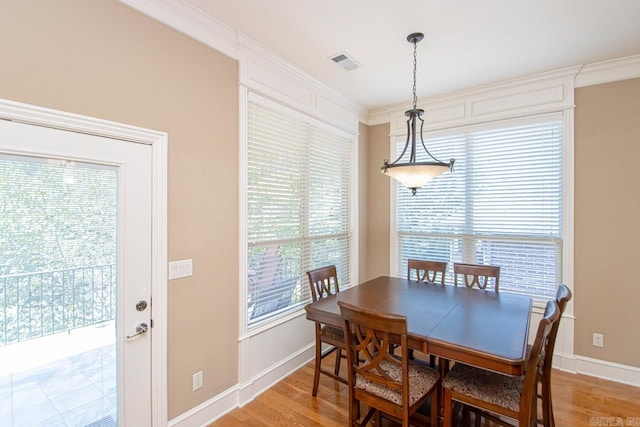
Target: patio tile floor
{"points": [[76, 390]]}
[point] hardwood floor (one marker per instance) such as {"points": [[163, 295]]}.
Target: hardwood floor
{"points": [[578, 400]]}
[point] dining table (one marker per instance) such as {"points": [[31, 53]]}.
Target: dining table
{"points": [[483, 328]]}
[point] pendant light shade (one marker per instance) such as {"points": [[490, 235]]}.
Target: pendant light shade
{"points": [[416, 175], [413, 174]]}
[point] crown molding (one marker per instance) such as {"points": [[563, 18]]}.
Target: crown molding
{"points": [[609, 71], [191, 21]]}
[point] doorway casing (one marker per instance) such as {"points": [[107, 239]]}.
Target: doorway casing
{"points": [[39, 116]]}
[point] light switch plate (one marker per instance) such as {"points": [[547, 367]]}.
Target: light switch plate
{"points": [[178, 269]]}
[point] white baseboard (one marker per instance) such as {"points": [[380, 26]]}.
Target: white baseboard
{"points": [[208, 411], [241, 394], [602, 369]]}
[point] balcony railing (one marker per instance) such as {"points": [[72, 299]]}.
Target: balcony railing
{"points": [[34, 305]]}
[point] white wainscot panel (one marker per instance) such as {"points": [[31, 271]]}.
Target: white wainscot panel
{"points": [[269, 356], [337, 114], [270, 78], [399, 124], [435, 115], [444, 113], [273, 345], [541, 96]]}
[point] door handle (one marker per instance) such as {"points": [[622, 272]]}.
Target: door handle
{"points": [[141, 328]]}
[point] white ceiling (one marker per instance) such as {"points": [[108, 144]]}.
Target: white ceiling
{"points": [[467, 42]]}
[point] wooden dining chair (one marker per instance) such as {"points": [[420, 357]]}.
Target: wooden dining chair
{"points": [[426, 271], [476, 275], [385, 383], [493, 393], [563, 296], [543, 387], [323, 282]]}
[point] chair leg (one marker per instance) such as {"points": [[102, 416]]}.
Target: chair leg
{"points": [[316, 373], [552, 421], [354, 411], [547, 404], [434, 407], [336, 370], [446, 422]]}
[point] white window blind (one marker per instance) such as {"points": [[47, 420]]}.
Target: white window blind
{"points": [[298, 207], [502, 205]]}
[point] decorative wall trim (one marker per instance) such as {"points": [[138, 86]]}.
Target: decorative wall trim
{"points": [[266, 73], [188, 19], [535, 94], [609, 71], [444, 107]]}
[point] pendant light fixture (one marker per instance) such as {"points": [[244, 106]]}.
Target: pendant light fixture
{"points": [[414, 174]]}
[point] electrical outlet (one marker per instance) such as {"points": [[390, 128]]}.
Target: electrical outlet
{"points": [[598, 340], [197, 380]]}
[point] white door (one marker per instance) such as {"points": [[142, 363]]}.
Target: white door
{"points": [[130, 164]]}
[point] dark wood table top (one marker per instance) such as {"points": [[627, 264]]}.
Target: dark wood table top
{"points": [[482, 328]]}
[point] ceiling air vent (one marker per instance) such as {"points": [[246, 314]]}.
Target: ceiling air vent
{"points": [[345, 61]]}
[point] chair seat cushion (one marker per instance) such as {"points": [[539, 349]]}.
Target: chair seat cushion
{"points": [[332, 333], [487, 386], [421, 380]]}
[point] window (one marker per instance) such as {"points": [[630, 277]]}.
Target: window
{"points": [[299, 214], [501, 206]]}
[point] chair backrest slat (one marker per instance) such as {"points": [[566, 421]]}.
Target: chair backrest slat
{"points": [[426, 271], [477, 275], [323, 282]]}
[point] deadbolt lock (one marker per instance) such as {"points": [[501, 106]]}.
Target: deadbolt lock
{"points": [[141, 305]]}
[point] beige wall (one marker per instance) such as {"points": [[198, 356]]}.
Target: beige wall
{"points": [[607, 208], [378, 193], [99, 58]]}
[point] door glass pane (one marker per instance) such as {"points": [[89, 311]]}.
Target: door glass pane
{"points": [[58, 229]]}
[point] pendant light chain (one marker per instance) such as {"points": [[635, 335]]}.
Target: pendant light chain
{"points": [[415, 63]]}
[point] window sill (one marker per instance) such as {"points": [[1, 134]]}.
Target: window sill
{"points": [[272, 323]]}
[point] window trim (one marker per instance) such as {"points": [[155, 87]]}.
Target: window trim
{"points": [[247, 95]]}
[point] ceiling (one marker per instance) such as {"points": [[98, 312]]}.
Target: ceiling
{"points": [[467, 42]]}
